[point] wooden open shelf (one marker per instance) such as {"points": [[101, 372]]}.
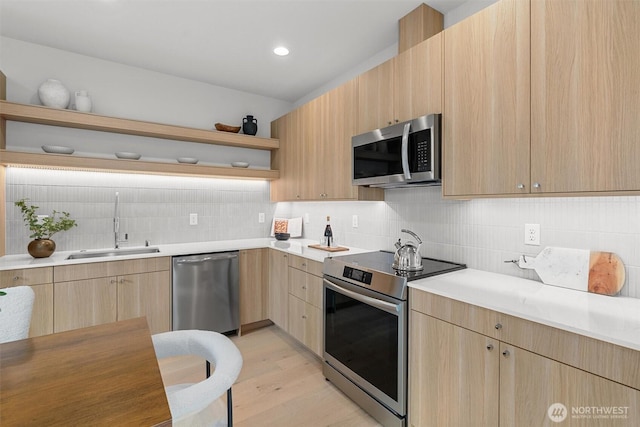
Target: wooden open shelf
{"points": [[71, 162], [74, 119]]}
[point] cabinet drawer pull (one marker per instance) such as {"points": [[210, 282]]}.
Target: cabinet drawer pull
{"points": [[16, 278], [506, 353], [498, 326], [490, 347], [304, 287], [304, 317]]}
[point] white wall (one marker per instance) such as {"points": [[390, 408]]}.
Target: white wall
{"points": [[133, 93], [456, 15]]}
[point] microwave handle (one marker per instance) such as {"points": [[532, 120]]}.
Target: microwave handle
{"points": [[405, 150]]}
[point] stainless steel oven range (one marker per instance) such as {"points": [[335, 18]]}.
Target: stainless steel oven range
{"points": [[365, 316]]}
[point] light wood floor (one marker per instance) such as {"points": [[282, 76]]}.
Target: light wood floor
{"points": [[281, 384]]}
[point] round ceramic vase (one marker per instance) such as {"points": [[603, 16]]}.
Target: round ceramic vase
{"points": [[52, 93]]}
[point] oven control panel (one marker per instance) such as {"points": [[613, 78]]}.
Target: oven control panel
{"points": [[357, 275]]}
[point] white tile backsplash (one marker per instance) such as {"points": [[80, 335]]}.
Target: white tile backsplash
{"points": [[154, 208], [482, 233]]}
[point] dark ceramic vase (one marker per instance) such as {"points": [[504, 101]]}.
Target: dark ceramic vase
{"points": [[41, 248], [249, 125]]}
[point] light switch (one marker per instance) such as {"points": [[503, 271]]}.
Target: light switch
{"points": [[354, 221]]}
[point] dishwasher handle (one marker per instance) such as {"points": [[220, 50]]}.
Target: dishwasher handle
{"points": [[205, 258]]}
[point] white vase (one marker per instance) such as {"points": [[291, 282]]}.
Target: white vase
{"points": [[83, 101], [52, 93]]}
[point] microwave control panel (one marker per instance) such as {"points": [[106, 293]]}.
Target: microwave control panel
{"points": [[423, 153]]}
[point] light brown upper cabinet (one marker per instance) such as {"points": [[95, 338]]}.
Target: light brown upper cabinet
{"points": [[288, 158], [402, 88], [314, 158], [418, 80], [585, 96], [487, 102], [541, 98], [375, 97]]}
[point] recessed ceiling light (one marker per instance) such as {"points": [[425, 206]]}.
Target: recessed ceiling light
{"points": [[281, 51]]}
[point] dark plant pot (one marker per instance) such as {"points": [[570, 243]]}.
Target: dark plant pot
{"points": [[41, 248]]}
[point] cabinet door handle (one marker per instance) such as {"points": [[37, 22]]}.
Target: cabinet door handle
{"points": [[498, 326], [506, 353], [113, 281], [304, 317], [16, 278], [520, 186], [490, 347], [304, 287], [536, 185]]}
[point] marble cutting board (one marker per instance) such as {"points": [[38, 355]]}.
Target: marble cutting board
{"points": [[580, 269]]}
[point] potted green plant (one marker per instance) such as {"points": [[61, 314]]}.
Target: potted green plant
{"points": [[43, 229]]}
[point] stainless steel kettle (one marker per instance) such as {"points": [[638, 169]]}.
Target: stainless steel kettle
{"points": [[407, 256]]}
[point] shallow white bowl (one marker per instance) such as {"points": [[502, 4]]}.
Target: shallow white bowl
{"points": [[191, 160], [128, 155], [240, 164], [58, 149]]}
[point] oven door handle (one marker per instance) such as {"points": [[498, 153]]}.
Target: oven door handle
{"points": [[405, 151], [382, 305]]}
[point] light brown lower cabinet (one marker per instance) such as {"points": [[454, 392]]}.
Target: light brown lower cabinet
{"points": [[83, 303], [305, 324], [146, 294], [459, 377], [530, 384], [254, 286], [95, 293], [278, 288], [453, 377], [305, 303]]}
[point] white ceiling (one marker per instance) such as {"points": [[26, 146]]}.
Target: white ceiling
{"points": [[226, 43]]}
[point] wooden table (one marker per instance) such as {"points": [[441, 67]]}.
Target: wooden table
{"points": [[102, 375]]}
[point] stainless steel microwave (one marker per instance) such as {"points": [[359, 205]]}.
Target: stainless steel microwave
{"points": [[401, 155]]}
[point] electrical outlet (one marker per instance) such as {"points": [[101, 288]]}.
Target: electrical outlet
{"points": [[532, 234], [354, 221], [261, 217], [193, 219]]}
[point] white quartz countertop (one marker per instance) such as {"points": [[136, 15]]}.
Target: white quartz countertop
{"points": [[614, 319], [298, 247]]}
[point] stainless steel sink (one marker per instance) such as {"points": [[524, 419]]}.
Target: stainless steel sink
{"points": [[113, 253]]}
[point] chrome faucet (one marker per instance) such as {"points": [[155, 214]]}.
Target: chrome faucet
{"points": [[116, 224]]}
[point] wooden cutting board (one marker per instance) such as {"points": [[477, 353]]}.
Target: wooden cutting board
{"points": [[329, 248], [580, 269]]}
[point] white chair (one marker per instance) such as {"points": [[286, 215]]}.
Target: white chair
{"points": [[188, 402], [15, 313]]}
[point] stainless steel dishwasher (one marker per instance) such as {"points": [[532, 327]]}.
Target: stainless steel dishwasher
{"points": [[206, 292]]}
